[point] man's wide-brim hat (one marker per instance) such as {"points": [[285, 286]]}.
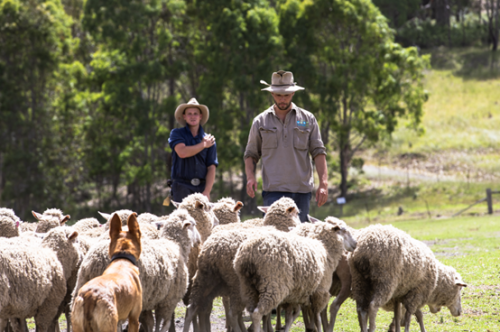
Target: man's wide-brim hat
{"points": [[191, 103], [282, 82]]}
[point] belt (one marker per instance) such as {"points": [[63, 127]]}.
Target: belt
{"points": [[195, 181]]}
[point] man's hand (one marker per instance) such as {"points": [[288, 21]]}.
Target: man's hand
{"points": [[208, 141], [251, 187], [322, 194], [207, 194]]}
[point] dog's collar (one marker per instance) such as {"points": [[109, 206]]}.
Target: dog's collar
{"points": [[128, 257]]}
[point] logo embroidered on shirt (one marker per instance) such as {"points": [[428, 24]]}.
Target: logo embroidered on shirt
{"points": [[302, 123]]}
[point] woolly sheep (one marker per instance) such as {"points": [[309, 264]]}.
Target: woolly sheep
{"points": [[294, 268], [162, 266], [147, 218], [86, 224], [51, 218], [28, 227], [227, 211], [38, 285], [217, 262], [446, 294], [389, 267], [9, 227]]}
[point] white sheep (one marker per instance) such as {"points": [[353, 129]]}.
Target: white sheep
{"points": [[389, 267], [292, 268], [86, 224], [34, 279], [162, 266], [227, 210], [9, 223], [51, 218]]}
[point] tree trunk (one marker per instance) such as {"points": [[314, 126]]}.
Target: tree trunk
{"points": [[345, 161], [441, 9]]}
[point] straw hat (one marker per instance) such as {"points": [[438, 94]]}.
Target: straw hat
{"points": [[192, 103], [282, 82]]}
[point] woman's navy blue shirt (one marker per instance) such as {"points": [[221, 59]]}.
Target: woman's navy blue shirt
{"points": [[195, 166]]}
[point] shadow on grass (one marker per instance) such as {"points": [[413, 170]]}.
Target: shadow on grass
{"points": [[468, 63]]}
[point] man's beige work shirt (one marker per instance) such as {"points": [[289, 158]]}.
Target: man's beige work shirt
{"points": [[284, 148]]}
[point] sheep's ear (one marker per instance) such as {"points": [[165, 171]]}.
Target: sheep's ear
{"points": [[187, 224], [115, 226], [459, 282], [65, 219], [313, 220], [263, 208], [133, 225], [238, 206], [73, 236], [290, 209], [37, 215], [199, 205], [106, 216], [176, 204]]}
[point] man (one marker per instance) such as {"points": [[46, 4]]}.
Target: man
{"points": [[284, 136], [194, 154]]}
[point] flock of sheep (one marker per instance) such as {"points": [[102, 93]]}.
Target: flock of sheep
{"points": [[257, 265]]}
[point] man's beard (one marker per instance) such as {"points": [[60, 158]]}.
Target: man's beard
{"points": [[283, 109]]}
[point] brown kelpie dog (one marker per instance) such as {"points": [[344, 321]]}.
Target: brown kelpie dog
{"points": [[117, 294]]}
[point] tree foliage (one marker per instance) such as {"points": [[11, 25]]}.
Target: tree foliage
{"points": [[88, 89]]}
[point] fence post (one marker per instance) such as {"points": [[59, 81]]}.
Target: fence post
{"points": [[489, 201]]}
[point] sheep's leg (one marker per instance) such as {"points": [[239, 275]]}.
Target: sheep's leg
{"points": [[324, 319], [191, 312], [4, 325], [307, 314], [362, 317], [172, 325], [407, 322], [17, 324], [397, 316], [269, 323], [291, 314], [256, 318], [317, 321], [232, 321], [147, 320], [204, 319], [278, 317], [226, 304], [420, 320], [241, 324], [344, 273], [67, 314], [372, 315]]}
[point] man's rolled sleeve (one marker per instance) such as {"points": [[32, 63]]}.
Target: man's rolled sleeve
{"points": [[316, 146], [175, 138], [253, 149], [212, 156]]}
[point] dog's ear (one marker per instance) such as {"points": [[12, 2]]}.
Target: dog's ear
{"points": [[65, 219], [115, 226], [238, 206], [133, 225]]}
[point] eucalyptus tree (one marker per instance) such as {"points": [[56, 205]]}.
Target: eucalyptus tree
{"points": [[35, 50], [360, 81], [242, 45], [135, 63]]}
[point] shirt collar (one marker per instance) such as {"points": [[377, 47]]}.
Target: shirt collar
{"points": [[201, 132], [273, 112]]}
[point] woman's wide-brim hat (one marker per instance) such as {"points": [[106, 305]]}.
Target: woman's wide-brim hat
{"points": [[192, 103], [282, 82]]}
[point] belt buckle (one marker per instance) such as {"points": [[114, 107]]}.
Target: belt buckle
{"points": [[195, 182]]}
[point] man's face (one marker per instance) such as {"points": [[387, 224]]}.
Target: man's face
{"points": [[192, 116], [282, 101]]}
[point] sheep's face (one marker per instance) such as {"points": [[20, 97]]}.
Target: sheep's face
{"points": [[349, 242], [456, 305]]}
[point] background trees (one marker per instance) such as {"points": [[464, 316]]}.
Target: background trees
{"points": [[88, 88]]}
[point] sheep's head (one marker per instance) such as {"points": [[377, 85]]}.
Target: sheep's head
{"points": [[200, 208], [62, 240], [227, 210], [344, 231], [48, 221], [449, 291], [180, 227], [284, 211]]}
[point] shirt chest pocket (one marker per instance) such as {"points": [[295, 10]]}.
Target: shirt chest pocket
{"points": [[269, 138], [301, 138]]}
